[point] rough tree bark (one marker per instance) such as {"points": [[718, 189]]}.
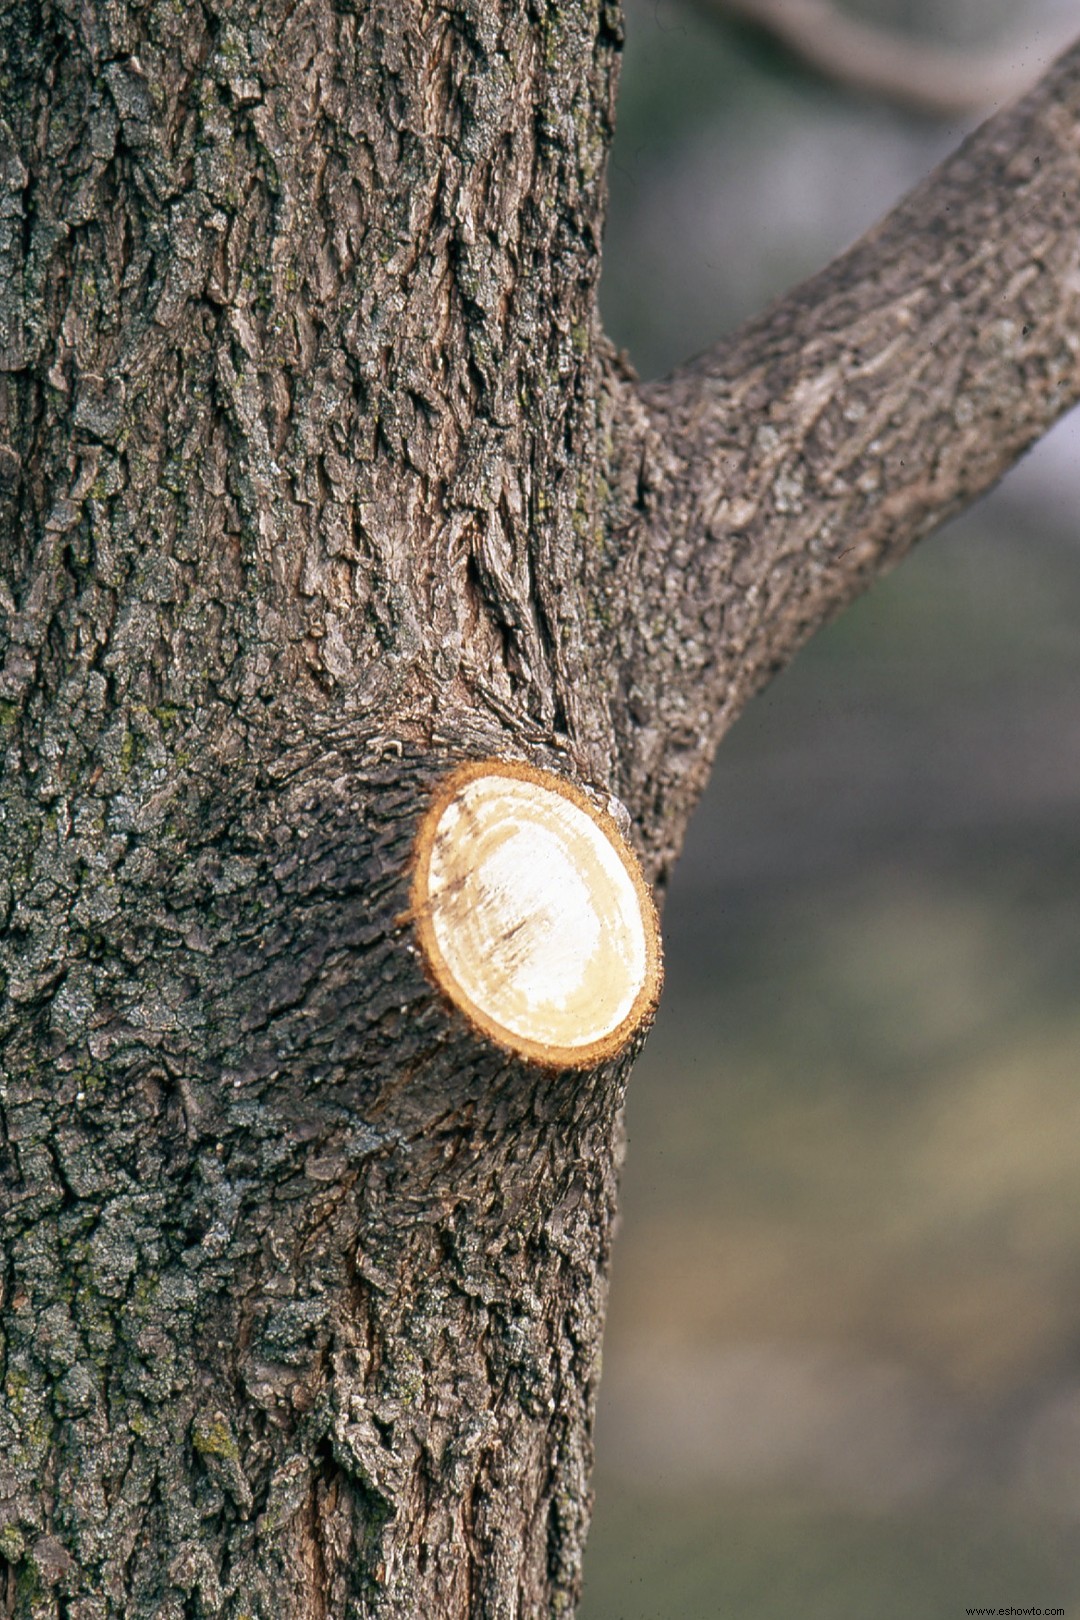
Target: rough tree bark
{"points": [[318, 478]]}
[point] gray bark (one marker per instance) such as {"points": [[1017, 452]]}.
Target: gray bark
{"points": [[315, 477]]}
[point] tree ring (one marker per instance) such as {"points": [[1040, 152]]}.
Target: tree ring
{"points": [[533, 915]]}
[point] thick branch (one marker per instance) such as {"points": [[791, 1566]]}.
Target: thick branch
{"points": [[780, 472], [941, 80]]}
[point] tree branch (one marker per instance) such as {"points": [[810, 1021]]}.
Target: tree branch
{"points": [[776, 476], [935, 79]]}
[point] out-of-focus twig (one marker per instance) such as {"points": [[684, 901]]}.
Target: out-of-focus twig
{"points": [[937, 79]]}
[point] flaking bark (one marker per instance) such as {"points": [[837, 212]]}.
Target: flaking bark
{"points": [[315, 480]]}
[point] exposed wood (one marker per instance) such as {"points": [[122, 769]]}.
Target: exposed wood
{"points": [[533, 915]]}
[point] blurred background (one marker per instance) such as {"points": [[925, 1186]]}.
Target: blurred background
{"points": [[842, 1368]]}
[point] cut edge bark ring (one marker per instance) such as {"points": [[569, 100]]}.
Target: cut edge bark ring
{"points": [[533, 916]]}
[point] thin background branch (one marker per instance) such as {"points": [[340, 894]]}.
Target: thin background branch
{"points": [[939, 80]]}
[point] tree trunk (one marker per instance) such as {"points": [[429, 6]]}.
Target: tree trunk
{"points": [[316, 480], [303, 1281]]}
